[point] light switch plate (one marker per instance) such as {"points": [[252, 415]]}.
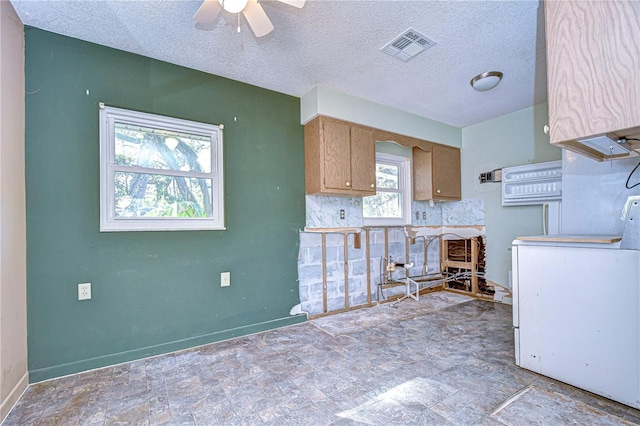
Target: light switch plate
{"points": [[225, 279]]}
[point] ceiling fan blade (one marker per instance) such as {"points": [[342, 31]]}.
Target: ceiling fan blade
{"points": [[208, 12], [257, 18], [294, 3]]}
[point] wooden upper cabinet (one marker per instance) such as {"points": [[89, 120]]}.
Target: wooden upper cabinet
{"points": [[436, 173], [337, 155], [593, 71], [339, 158], [446, 172], [363, 160]]}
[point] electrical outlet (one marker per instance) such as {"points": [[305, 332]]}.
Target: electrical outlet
{"points": [[84, 291], [225, 279], [424, 215], [341, 213], [492, 176]]}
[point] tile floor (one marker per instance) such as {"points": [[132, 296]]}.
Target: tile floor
{"points": [[446, 360]]}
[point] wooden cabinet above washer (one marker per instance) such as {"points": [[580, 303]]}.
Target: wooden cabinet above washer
{"points": [[593, 72]]}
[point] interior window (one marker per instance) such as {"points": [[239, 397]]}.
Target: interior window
{"points": [[392, 203]]}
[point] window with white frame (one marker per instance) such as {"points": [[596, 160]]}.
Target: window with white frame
{"points": [[159, 173], [392, 203]]}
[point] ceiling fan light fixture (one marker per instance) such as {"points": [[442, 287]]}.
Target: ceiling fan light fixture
{"points": [[255, 15], [486, 81], [233, 6]]}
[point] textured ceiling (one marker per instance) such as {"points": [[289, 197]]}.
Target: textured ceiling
{"points": [[335, 43]]}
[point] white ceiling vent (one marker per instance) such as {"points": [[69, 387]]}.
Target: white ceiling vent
{"points": [[408, 44]]}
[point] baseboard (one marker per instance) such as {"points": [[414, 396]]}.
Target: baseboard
{"points": [[14, 396], [41, 374]]}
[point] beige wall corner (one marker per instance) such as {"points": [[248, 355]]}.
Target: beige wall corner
{"points": [[13, 297], [14, 395]]}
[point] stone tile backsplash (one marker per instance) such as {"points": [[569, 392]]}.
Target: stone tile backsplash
{"points": [[463, 213], [324, 212]]}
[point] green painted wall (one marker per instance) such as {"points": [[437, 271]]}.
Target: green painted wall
{"points": [[510, 140], [153, 292]]}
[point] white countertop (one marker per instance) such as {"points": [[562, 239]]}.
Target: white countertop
{"points": [[574, 238]]}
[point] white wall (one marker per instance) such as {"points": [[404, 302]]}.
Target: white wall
{"points": [[13, 306], [323, 101], [593, 194], [511, 140]]}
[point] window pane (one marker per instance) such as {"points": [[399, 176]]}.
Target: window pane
{"points": [[383, 205], [386, 176], [145, 195], [160, 149]]}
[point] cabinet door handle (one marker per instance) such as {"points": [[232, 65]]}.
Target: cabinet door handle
{"points": [[348, 184], [545, 129], [438, 191], [373, 185]]}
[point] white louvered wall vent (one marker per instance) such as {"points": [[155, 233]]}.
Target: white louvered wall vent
{"points": [[407, 45]]}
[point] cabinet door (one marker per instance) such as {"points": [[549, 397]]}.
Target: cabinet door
{"points": [[422, 172], [436, 173], [337, 155], [446, 172], [593, 67], [363, 160]]}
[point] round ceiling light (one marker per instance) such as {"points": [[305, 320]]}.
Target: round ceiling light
{"points": [[486, 81], [233, 6]]}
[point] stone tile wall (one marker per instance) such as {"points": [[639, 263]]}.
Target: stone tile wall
{"points": [[310, 267], [324, 212], [427, 219]]}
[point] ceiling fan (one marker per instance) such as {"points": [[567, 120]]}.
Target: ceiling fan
{"points": [[255, 14]]}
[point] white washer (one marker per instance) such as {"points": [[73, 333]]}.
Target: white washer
{"points": [[576, 313]]}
